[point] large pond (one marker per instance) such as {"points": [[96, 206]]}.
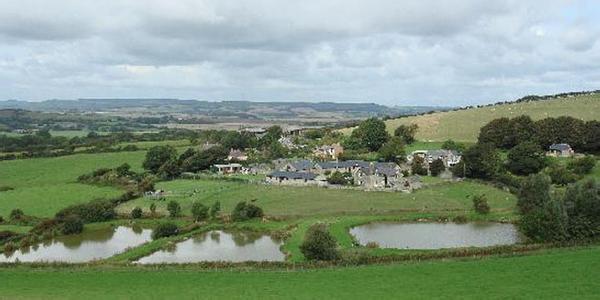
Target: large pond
{"points": [[220, 246], [88, 246], [436, 235]]}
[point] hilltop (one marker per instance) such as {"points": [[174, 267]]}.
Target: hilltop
{"points": [[464, 124]]}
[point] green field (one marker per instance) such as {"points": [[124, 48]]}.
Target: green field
{"points": [[311, 201], [42, 186], [556, 274], [464, 125]]}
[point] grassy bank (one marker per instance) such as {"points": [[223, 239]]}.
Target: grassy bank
{"points": [[555, 274]]}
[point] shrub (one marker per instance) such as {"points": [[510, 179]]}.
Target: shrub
{"points": [[418, 166], [337, 178], [46, 226], [6, 188], [319, 244], [452, 145], [174, 208], [437, 167], [582, 166], [372, 245], [560, 175], [152, 208], [215, 209], [480, 204], [95, 211], [16, 214], [165, 230], [245, 211], [1, 220], [136, 213], [10, 247], [72, 225], [199, 211], [5, 235], [526, 158], [460, 219]]}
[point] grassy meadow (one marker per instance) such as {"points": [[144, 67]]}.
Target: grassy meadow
{"points": [[464, 125], [551, 274], [43, 186], [314, 201]]}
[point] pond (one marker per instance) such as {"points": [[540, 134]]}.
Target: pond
{"points": [[219, 245], [88, 246], [436, 235]]}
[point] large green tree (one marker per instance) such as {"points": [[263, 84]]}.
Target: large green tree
{"points": [[526, 158], [370, 134], [481, 161], [407, 132], [495, 132], [157, 156], [392, 150]]}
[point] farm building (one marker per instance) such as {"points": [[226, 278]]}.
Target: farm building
{"points": [[560, 150]]}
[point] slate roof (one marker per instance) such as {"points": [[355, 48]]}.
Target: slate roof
{"points": [[344, 164], [388, 169], [560, 147], [293, 175], [302, 165]]}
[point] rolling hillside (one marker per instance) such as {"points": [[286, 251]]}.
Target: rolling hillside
{"points": [[463, 125]]}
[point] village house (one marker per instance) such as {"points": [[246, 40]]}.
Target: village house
{"points": [[287, 142], [341, 166], [256, 131], [449, 157], [237, 155], [291, 178], [560, 150], [329, 151], [303, 165], [228, 168]]}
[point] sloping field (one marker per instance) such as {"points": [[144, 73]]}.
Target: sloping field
{"points": [[464, 125], [557, 274], [42, 186]]}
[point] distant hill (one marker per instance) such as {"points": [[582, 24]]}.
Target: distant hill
{"points": [[325, 112], [464, 124]]}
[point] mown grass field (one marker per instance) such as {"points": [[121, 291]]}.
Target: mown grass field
{"points": [[555, 274], [464, 125], [42, 186], [315, 201]]}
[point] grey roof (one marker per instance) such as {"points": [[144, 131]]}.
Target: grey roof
{"points": [[293, 175], [386, 168], [344, 164], [560, 147], [441, 153], [303, 164]]}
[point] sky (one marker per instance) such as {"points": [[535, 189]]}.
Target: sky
{"points": [[392, 52]]}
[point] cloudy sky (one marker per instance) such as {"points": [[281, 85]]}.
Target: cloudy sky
{"points": [[393, 52]]}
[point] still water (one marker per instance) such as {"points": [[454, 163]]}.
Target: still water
{"points": [[88, 246], [220, 246], [436, 235]]}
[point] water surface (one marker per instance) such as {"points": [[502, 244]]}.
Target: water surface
{"points": [[220, 246], [85, 247], [436, 235]]}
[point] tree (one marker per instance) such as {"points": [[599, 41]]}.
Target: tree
{"points": [[522, 129], [560, 175], [560, 130], [392, 150], [418, 166], [481, 161], [526, 158], [582, 166], [136, 213], [319, 244], [199, 211], [272, 135], [170, 169], [534, 193], [215, 209], [72, 225], [337, 177], [245, 211], [437, 167], [158, 156], [407, 133], [582, 202], [480, 204], [165, 230], [495, 133], [205, 159], [174, 208], [370, 134], [452, 145], [123, 170], [592, 136]]}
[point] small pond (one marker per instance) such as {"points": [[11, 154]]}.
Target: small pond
{"points": [[88, 246], [219, 245], [436, 235]]}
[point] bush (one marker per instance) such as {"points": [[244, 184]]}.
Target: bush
{"points": [[5, 235], [72, 225], [480, 204], [165, 230], [6, 188], [16, 214], [215, 209], [152, 208], [582, 166], [418, 166], [337, 178], [437, 167], [1, 220], [245, 211], [452, 145], [199, 211], [526, 158], [319, 244], [136, 213], [560, 175], [174, 209], [95, 211]]}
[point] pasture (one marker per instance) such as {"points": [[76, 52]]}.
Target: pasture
{"points": [[315, 201], [464, 125], [550, 274]]}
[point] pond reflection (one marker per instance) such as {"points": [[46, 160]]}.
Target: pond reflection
{"points": [[219, 245], [90, 245]]}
